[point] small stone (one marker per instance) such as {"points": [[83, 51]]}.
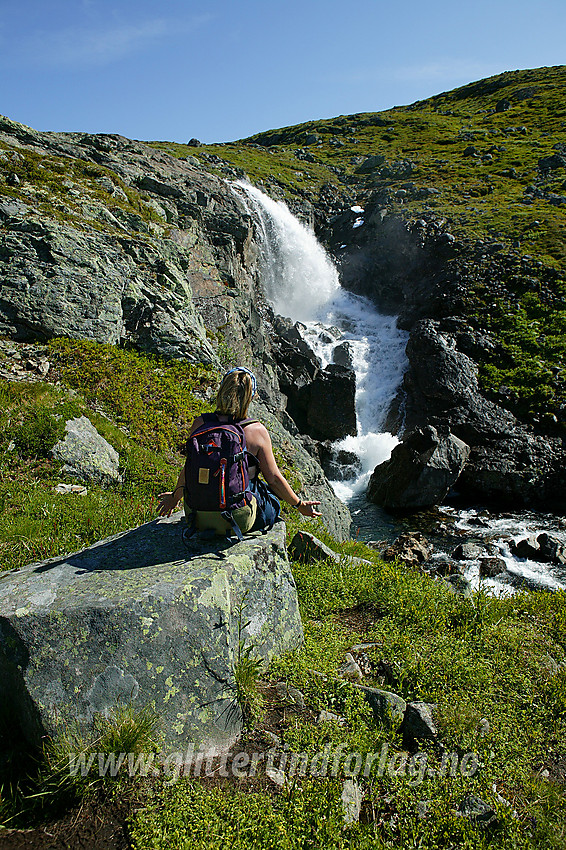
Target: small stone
{"points": [[277, 776], [484, 727], [418, 721], [351, 801], [287, 693], [350, 669], [271, 736], [330, 717], [384, 703]]}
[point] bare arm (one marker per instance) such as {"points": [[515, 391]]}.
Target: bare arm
{"points": [[263, 450]]}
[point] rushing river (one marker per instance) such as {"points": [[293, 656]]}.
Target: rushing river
{"points": [[301, 282]]}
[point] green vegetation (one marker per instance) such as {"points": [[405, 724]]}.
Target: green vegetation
{"points": [[481, 195], [495, 668], [478, 659], [141, 405], [70, 770], [83, 194]]}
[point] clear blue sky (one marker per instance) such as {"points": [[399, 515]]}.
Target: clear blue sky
{"points": [[224, 69]]}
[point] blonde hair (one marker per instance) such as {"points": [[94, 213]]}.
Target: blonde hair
{"points": [[235, 394]]}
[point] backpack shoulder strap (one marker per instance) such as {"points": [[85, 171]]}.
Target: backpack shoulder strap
{"points": [[209, 417], [244, 422]]}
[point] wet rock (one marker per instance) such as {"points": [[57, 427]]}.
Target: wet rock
{"points": [[467, 551], [443, 566], [144, 617], [413, 549], [86, 455], [421, 470], [527, 547], [342, 355], [551, 549], [329, 403], [491, 567], [338, 465]]}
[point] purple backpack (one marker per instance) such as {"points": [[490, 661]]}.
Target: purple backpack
{"points": [[216, 468]]}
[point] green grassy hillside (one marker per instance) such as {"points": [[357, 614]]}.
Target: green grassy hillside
{"points": [[492, 190], [487, 159]]}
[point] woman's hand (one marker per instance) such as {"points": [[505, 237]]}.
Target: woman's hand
{"points": [[308, 508], [167, 503]]}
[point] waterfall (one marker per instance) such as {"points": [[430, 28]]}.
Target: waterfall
{"points": [[301, 282]]}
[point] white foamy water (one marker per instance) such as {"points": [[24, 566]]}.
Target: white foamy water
{"points": [[301, 282], [497, 532]]}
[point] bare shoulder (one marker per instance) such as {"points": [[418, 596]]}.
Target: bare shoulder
{"points": [[257, 435]]}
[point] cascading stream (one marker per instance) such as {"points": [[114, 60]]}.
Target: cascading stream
{"points": [[301, 282]]}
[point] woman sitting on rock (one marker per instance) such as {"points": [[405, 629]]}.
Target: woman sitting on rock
{"points": [[201, 481]]}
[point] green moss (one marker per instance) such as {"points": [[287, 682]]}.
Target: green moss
{"points": [[149, 405], [154, 400], [63, 188]]}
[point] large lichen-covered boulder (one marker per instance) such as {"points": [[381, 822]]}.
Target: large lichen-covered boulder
{"points": [[144, 617]]}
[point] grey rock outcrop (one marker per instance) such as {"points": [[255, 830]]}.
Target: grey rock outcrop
{"points": [[146, 618], [307, 548], [420, 472], [320, 401], [86, 454], [129, 246]]}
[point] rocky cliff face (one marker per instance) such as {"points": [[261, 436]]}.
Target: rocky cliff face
{"points": [[422, 272], [108, 239]]}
